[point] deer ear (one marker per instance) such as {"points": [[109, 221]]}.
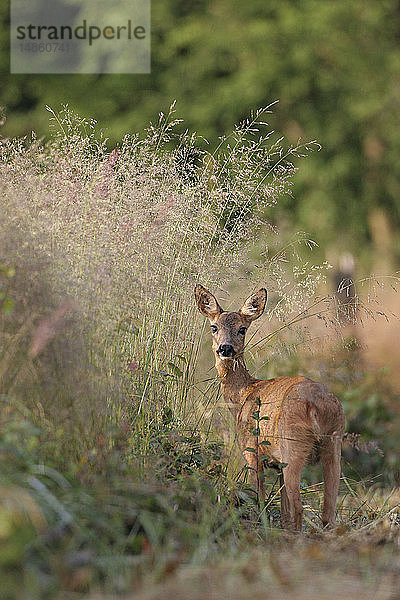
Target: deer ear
{"points": [[207, 303], [254, 305]]}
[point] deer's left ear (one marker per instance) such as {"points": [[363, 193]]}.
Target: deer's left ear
{"points": [[254, 305]]}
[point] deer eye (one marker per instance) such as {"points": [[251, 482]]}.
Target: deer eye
{"points": [[242, 330], [214, 328]]}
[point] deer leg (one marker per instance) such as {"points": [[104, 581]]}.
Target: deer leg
{"points": [[330, 458], [291, 478], [285, 507], [255, 471], [260, 481]]}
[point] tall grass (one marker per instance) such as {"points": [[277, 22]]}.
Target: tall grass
{"points": [[122, 235]]}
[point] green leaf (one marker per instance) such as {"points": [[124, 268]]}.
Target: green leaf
{"points": [[7, 306], [182, 358], [265, 443], [176, 370], [255, 430], [249, 450], [264, 419], [255, 414], [168, 415], [8, 272]]}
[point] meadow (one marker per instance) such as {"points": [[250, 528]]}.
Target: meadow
{"points": [[120, 474]]}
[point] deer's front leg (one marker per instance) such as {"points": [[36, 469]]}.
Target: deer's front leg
{"points": [[255, 471], [286, 522]]}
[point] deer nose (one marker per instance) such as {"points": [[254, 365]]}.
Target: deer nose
{"points": [[226, 350]]}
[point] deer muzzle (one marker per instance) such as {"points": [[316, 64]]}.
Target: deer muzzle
{"points": [[226, 351]]}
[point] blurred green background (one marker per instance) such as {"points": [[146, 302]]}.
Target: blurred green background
{"points": [[334, 66]]}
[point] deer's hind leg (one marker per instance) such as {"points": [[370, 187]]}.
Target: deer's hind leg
{"points": [[330, 458], [291, 506], [295, 452]]}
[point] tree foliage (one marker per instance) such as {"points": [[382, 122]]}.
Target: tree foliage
{"points": [[334, 66]]}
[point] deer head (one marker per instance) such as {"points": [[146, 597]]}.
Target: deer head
{"points": [[229, 328]]}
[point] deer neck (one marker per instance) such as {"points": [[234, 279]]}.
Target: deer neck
{"points": [[235, 379]]}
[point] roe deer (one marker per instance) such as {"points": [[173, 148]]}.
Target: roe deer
{"points": [[303, 421]]}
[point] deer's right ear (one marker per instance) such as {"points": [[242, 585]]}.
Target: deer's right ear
{"points": [[207, 303], [254, 305]]}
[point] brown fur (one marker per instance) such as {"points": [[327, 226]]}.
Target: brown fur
{"points": [[305, 420]]}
